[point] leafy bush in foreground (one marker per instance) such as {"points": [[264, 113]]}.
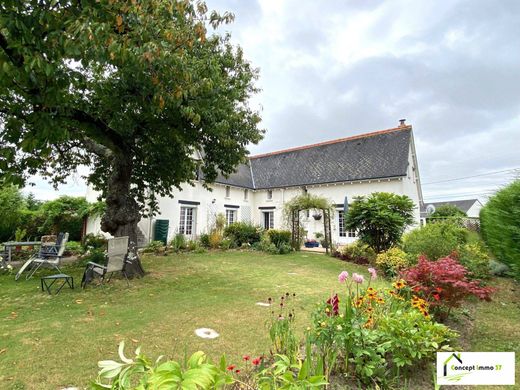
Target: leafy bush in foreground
{"points": [[476, 259], [357, 252], [500, 225]]}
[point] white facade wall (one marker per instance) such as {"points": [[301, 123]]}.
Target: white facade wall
{"points": [[207, 204], [474, 210]]}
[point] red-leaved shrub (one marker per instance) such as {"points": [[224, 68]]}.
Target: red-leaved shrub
{"points": [[443, 283]]}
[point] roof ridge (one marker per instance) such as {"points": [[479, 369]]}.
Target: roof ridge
{"points": [[353, 137]]}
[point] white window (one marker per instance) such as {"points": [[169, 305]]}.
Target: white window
{"points": [[341, 223], [228, 191], [351, 233], [187, 221], [231, 216], [268, 220], [246, 194], [269, 194]]}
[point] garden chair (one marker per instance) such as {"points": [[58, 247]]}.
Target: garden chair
{"points": [[50, 254], [116, 261]]}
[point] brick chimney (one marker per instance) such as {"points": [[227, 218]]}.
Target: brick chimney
{"points": [[402, 122]]}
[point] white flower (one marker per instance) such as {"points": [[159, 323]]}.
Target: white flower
{"points": [[206, 333], [9, 267]]}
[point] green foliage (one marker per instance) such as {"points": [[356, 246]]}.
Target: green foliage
{"points": [[434, 240], [280, 326], [266, 245], [380, 218], [178, 242], [11, 205], [392, 261], [151, 83], [226, 244], [73, 247], [497, 268], [155, 247], [357, 252], [446, 211], [306, 202], [93, 241], [500, 225], [476, 259], [197, 373], [20, 234], [242, 233], [286, 375], [64, 214], [279, 237], [379, 336], [204, 240]]}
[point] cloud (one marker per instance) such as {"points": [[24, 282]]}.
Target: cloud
{"points": [[337, 68], [332, 69]]}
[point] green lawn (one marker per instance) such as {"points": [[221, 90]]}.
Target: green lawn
{"points": [[53, 341], [49, 342]]}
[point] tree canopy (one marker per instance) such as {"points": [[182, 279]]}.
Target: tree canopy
{"points": [[140, 91], [380, 218], [447, 211]]}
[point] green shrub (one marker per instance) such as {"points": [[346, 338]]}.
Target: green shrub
{"points": [[358, 253], [94, 241], [497, 268], [204, 240], [500, 225], [242, 233], [154, 247], [178, 243], [279, 237], [476, 259], [434, 240], [73, 247], [226, 244], [392, 261]]}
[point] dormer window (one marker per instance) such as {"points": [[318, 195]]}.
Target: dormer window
{"points": [[228, 191], [269, 194]]}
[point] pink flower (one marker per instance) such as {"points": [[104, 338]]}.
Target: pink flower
{"points": [[358, 278], [373, 273], [343, 276]]}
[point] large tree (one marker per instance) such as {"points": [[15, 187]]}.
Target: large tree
{"points": [[140, 91]]}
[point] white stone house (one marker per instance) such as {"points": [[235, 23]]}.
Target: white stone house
{"points": [[359, 165]]}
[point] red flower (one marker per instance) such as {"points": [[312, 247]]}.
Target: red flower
{"points": [[246, 358], [231, 367], [438, 289], [416, 289], [256, 361], [334, 302], [237, 371], [437, 297]]}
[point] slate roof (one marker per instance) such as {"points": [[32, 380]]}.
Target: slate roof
{"points": [[377, 155], [463, 205]]}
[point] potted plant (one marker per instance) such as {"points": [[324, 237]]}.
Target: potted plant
{"points": [[316, 216], [311, 244]]}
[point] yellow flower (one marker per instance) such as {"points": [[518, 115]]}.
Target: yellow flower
{"points": [[399, 284], [327, 310], [323, 324], [341, 316], [308, 328]]}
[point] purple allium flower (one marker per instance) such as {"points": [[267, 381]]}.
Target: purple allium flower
{"points": [[373, 273], [343, 276], [358, 278]]}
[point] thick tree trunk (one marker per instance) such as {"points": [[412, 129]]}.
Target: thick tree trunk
{"points": [[122, 212]]}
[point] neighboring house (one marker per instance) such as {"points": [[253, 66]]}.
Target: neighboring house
{"points": [[469, 206], [347, 167]]}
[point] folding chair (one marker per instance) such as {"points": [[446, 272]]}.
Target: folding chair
{"points": [[49, 255], [116, 261]]}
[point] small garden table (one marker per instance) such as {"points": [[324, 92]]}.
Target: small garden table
{"points": [[67, 279], [12, 244]]}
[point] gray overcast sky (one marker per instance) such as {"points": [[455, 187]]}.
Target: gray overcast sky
{"points": [[331, 69]]}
